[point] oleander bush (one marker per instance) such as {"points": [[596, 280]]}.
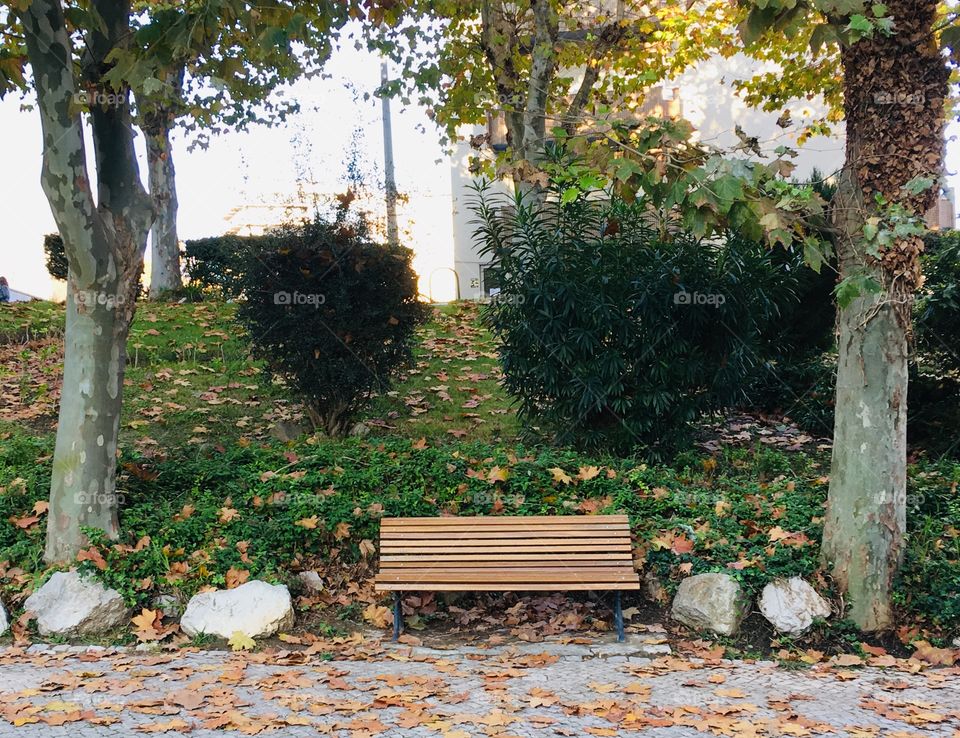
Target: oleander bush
{"points": [[615, 335]]}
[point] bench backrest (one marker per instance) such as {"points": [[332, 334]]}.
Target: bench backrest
{"points": [[506, 553]]}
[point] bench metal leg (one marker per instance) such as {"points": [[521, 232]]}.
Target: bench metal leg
{"points": [[618, 616], [397, 616]]}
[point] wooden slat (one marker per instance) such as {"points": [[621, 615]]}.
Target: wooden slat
{"points": [[514, 577], [597, 532], [501, 587], [421, 562], [572, 548], [501, 520], [495, 543]]}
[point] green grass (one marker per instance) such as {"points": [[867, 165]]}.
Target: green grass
{"points": [[190, 379]]}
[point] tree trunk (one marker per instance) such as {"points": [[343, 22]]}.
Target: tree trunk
{"points": [[866, 507], [104, 243], [165, 264], [894, 90], [82, 493]]}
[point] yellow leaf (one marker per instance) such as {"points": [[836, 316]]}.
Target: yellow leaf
{"points": [[378, 615], [240, 641], [308, 523], [496, 474], [559, 475], [588, 472], [341, 531], [145, 620]]}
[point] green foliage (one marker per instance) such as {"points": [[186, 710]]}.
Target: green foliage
{"points": [[614, 335], [56, 257], [937, 312], [929, 580], [214, 263], [331, 312], [273, 510]]}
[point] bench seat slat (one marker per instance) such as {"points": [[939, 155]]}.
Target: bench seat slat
{"points": [[495, 543], [513, 576], [492, 551], [579, 520], [427, 535], [423, 562]]}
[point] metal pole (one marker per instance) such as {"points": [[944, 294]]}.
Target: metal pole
{"points": [[389, 180], [397, 616], [618, 617]]}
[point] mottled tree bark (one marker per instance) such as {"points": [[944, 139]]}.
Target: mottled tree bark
{"points": [[104, 243], [894, 105], [165, 260]]}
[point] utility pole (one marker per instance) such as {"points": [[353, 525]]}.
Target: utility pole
{"points": [[389, 180]]}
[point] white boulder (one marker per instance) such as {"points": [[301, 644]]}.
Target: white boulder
{"points": [[714, 602], [256, 609], [791, 605], [71, 605]]}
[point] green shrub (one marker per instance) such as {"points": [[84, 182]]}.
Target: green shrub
{"points": [[215, 263], [331, 312], [56, 256], [936, 315], [613, 336]]}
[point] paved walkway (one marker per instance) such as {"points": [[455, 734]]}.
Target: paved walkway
{"points": [[541, 690]]}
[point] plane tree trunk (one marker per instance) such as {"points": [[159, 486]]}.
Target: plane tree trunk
{"points": [[156, 122], [894, 90], [104, 240]]}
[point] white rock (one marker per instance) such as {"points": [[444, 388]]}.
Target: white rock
{"points": [[71, 605], [256, 609], [311, 581], [791, 605], [713, 602], [4, 622]]}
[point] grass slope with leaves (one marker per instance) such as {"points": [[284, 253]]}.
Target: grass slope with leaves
{"points": [[211, 499]]}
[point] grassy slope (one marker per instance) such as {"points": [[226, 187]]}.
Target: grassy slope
{"points": [[190, 380]]}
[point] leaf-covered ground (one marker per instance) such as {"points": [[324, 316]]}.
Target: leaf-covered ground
{"points": [[212, 496]]}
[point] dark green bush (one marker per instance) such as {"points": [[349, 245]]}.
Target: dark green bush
{"points": [[56, 256], [613, 336], [330, 311], [216, 263], [936, 315]]}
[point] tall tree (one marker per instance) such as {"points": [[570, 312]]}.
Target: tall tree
{"points": [[86, 56], [542, 66], [894, 92], [226, 78]]}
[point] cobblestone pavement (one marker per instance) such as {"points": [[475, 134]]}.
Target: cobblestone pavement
{"points": [[541, 690]]}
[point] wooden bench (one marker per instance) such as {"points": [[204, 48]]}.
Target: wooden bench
{"points": [[506, 554]]}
